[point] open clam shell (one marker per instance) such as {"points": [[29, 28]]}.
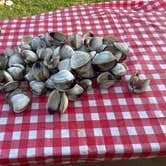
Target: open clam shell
{"points": [[63, 103], [136, 85], [53, 102], [75, 41]]}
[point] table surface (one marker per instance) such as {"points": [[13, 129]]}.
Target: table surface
{"points": [[104, 124]]}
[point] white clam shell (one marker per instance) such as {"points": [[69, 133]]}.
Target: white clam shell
{"points": [[19, 102], [63, 76], [79, 59], [64, 64], [66, 51], [120, 69], [103, 57]]}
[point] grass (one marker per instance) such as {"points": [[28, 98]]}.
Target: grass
{"points": [[23, 8]]}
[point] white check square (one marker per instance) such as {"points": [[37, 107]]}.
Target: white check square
{"points": [[148, 130], [65, 133], [126, 115], [83, 150], [31, 152], [101, 149], [114, 131], [16, 135], [94, 116], [98, 132], [131, 131]]}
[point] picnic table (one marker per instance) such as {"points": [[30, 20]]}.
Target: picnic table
{"points": [[104, 124]]}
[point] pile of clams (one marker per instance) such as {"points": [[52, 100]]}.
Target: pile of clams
{"points": [[65, 66]]}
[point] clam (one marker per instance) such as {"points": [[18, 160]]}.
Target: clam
{"points": [[29, 76], [37, 87], [66, 51], [63, 103], [15, 59], [104, 61], [10, 84], [109, 40], [37, 43], [16, 71], [53, 102], [80, 62], [119, 70], [136, 85], [92, 54], [58, 36], [51, 59], [75, 93], [105, 80], [18, 100], [40, 72], [1, 75], [64, 64], [3, 62], [122, 47], [63, 79], [9, 52], [87, 38], [50, 84], [75, 41], [86, 84], [29, 56], [26, 47], [96, 44], [26, 40]]}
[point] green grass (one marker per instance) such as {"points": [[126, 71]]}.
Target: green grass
{"points": [[23, 8]]}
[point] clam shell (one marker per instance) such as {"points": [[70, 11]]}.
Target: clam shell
{"points": [[19, 101], [86, 84], [51, 59], [40, 72], [75, 41], [79, 59], [53, 102], [16, 71], [104, 61], [63, 103], [50, 84], [37, 87], [29, 56], [64, 64], [9, 52], [66, 51], [10, 86], [1, 75], [105, 80], [26, 40], [75, 93], [135, 85], [3, 62], [96, 44], [63, 76], [122, 47], [119, 70], [15, 59], [103, 57]]}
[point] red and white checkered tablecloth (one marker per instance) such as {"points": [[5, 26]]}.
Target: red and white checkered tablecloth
{"points": [[104, 124]]}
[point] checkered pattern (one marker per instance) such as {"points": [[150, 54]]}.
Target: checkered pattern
{"points": [[104, 124]]}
